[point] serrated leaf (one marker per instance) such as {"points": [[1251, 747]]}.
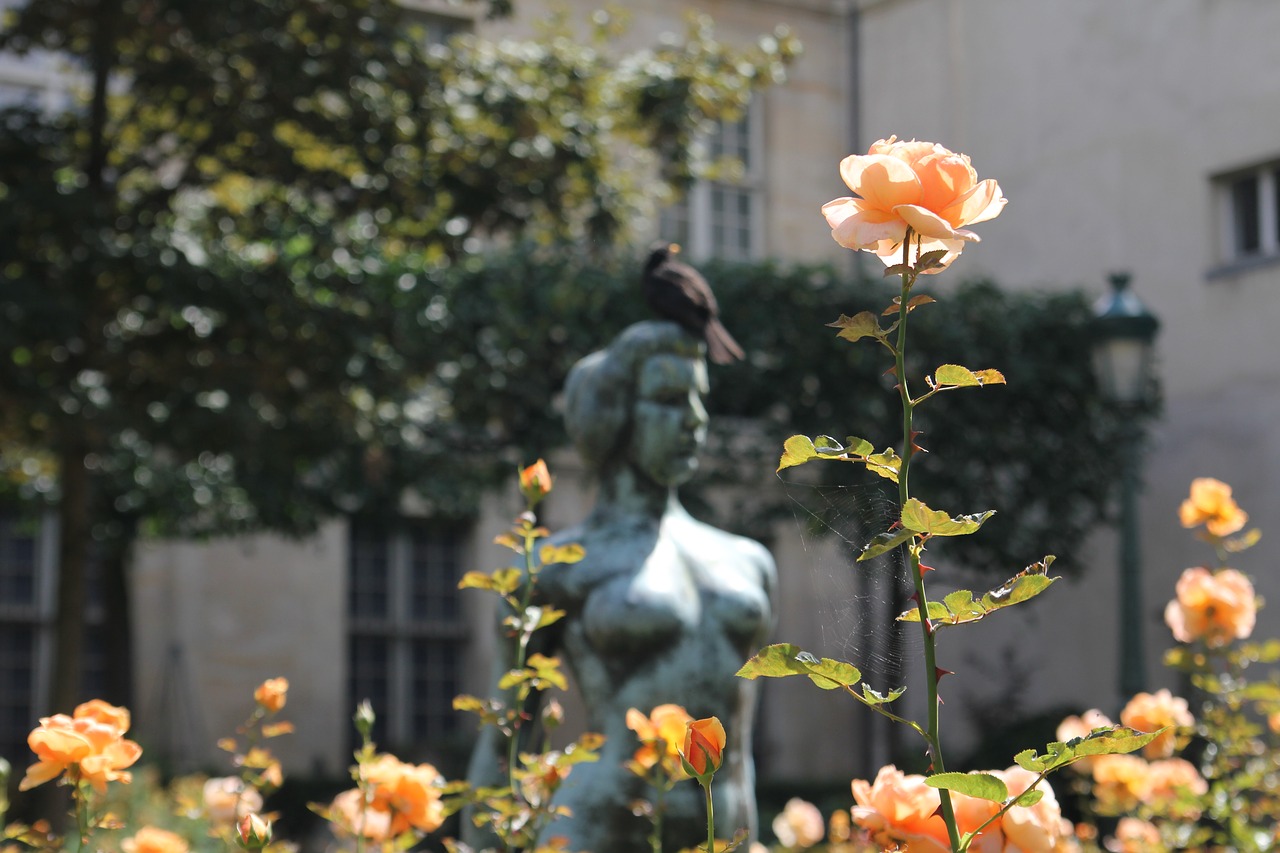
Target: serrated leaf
{"points": [[982, 786], [1029, 797], [918, 517], [882, 543], [858, 446], [887, 464], [563, 554], [503, 581], [1115, 740], [859, 326], [784, 659], [931, 259], [825, 445], [796, 450], [937, 612], [955, 376], [898, 269], [912, 304]]}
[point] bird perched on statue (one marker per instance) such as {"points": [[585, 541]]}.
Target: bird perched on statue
{"points": [[677, 291]]}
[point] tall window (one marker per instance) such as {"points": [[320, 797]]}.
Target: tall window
{"points": [[1250, 214], [407, 628], [21, 612], [724, 219]]}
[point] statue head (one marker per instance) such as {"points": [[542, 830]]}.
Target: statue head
{"points": [[639, 402]]}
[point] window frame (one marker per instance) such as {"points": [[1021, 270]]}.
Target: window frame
{"points": [[1231, 258]]}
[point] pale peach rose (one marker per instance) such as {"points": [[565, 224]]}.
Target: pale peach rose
{"points": [[1040, 828], [149, 839], [1171, 781], [1148, 712], [272, 694], [227, 799], [349, 813], [799, 824], [1135, 836], [1216, 607], [916, 185], [1211, 504], [409, 792], [661, 735], [900, 809], [1077, 727], [1120, 782], [90, 743]]}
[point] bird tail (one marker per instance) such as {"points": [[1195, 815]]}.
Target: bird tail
{"points": [[721, 347]]}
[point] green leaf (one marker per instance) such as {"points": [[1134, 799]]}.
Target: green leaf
{"points": [[882, 543], [858, 446], [784, 659], [955, 376], [825, 445], [983, 786], [929, 260], [565, 554], [960, 607], [887, 464], [1116, 740], [937, 613], [1029, 797], [502, 581], [859, 326], [796, 450], [918, 517], [875, 697]]}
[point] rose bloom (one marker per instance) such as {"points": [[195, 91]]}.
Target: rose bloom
{"points": [[704, 745], [1216, 607], [272, 694], [535, 481], [1135, 836], [916, 185], [1120, 782], [661, 734], [901, 810], [1171, 780], [409, 792], [227, 799], [1040, 828], [799, 824], [1148, 712], [1211, 504], [149, 839], [91, 742], [349, 813]]}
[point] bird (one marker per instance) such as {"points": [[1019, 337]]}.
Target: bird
{"points": [[677, 291]]}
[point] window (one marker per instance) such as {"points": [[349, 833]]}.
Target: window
{"points": [[1250, 214], [407, 628], [723, 219], [435, 22]]}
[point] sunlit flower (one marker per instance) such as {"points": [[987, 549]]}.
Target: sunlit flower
{"points": [[535, 481], [272, 694], [902, 810], [401, 797], [1135, 836], [1216, 607], [1120, 782], [1173, 784], [799, 824], [704, 742], [352, 815], [1211, 504], [1149, 712], [661, 735], [254, 831], [90, 744], [916, 185], [227, 799], [1039, 828], [150, 839]]}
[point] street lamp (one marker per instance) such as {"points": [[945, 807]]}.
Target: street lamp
{"points": [[1124, 334]]}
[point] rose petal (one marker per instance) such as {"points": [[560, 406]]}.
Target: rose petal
{"points": [[883, 181], [864, 229], [983, 202]]}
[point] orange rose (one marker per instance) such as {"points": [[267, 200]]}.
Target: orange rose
{"points": [[1216, 607], [661, 734], [704, 742], [272, 694], [1135, 836], [916, 185], [254, 831], [535, 482], [227, 799], [90, 743], [799, 824], [409, 792], [1170, 782], [349, 813], [1120, 782], [149, 839], [1211, 504], [901, 810], [1040, 828], [1149, 712]]}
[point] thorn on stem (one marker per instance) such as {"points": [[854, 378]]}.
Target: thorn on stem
{"points": [[924, 568]]}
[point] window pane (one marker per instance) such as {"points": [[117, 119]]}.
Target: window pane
{"points": [[17, 719], [435, 683], [1244, 209], [731, 230], [673, 223], [368, 571], [369, 677], [435, 560], [17, 562]]}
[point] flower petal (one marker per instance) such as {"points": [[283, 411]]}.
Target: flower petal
{"points": [[883, 181], [983, 202], [925, 222]]}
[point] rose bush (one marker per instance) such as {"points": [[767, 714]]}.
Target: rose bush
{"points": [[1149, 712], [1213, 607], [913, 185], [89, 745], [799, 824]]}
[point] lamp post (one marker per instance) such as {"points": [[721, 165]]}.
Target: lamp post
{"points": [[1124, 333]]}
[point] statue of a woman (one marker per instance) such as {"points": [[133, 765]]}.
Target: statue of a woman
{"points": [[663, 609]]}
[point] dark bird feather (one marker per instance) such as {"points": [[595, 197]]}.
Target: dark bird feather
{"points": [[678, 292]]}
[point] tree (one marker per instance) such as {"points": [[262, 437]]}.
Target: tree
{"points": [[197, 315]]}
